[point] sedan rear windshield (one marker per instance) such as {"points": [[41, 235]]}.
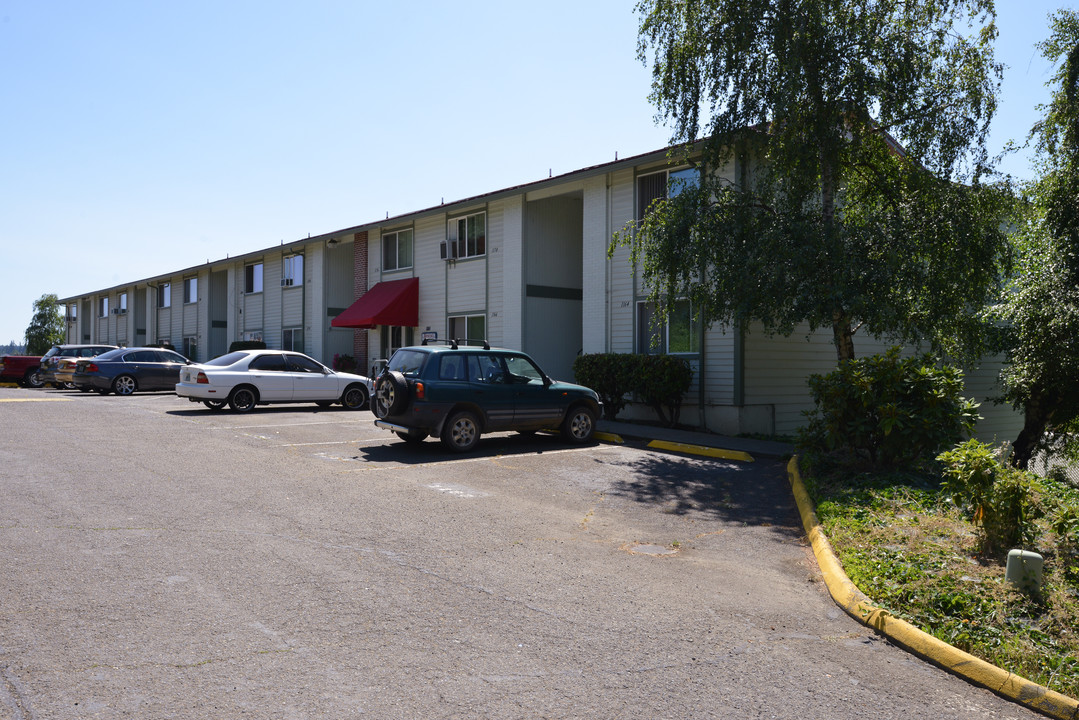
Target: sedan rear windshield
{"points": [[226, 360], [112, 354]]}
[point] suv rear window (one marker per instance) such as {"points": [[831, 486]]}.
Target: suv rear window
{"points": [[407, 362]]}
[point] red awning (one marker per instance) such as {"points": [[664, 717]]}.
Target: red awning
{"points": [[396, 302]]}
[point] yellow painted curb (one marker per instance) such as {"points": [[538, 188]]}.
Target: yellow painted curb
{"points": [[965, 665], [701, 450], [609, 437]]}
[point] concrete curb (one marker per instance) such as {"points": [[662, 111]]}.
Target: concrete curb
{"points": [[922, 644], [701, 450]]}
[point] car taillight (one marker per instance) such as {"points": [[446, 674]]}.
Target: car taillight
{"points": [[90, 367], [202, 379], [419, 391]]}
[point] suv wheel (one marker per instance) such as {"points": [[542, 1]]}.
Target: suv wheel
{"points": [[32, 378], [391, 394], [579, 425], [461, 432]]}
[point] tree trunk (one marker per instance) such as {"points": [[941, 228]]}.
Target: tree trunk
{"points": [[1036, 418], [843, 336]]}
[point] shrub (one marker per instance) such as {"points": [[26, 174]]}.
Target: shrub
{"points": [[662, 382], [1002, 501], [894, 410], [612, 375], [247, 345], [344, 363]]}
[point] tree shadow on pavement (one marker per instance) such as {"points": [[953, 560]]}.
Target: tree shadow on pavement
{"points": [[753, 493]]}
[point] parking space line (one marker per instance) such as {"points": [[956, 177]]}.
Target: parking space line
{"points": [[43, 399]]}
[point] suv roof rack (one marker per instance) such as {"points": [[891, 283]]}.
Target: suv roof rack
{"points": [[454, 342], [473, 341]]}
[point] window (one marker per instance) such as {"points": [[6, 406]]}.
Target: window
{"points": [[301, 363], [253, 278], [164, 295], [292, 270], [191, 291], [293, 339], [122, 304], [253, 336], [470, 327], [72, 311], [661, 185], [679, 335], [191, 348], [394, 337], [467, 236], [102, 307], [397, 250], [269, 363]]}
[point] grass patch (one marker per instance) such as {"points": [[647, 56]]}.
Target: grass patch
{"points": [[907, 545]]}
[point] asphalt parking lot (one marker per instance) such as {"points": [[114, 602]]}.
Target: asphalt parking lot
{"points": [[165, 561]]}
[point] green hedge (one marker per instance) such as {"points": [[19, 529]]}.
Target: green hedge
{"points": [[247, 345], [661, 381]]}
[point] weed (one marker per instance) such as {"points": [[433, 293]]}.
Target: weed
{"points": [[910, 544]]}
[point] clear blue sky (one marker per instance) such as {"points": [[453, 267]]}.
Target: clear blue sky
{"points": [[138, 138]]}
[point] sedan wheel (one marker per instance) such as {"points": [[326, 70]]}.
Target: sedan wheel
{"points": [[462, 432], [124, 385], [355, 398], [215, 404], [580, 425], [242, 399]]}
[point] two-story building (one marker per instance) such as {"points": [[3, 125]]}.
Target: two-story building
{"points": [[525, 267]]}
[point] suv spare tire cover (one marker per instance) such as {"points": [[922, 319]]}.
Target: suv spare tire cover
{"points": [[399, 388]]}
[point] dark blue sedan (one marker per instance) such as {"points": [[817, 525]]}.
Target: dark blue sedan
{"points": [[127, 370]]}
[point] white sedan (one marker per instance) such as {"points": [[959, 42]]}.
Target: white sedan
{"points": [[246, 378]]}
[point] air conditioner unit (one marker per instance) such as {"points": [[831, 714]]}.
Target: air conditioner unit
{"points": [[116, 311], [286, 282], [447, 250]]}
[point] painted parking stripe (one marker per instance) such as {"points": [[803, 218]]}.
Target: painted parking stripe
{"points": [[44, 399]]}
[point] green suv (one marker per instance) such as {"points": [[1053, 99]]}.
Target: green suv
{"points": [[458, 392]]}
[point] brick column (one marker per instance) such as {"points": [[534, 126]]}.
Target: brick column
{"points": [[359, 287]]}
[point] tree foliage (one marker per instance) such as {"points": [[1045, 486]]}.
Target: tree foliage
{"points": [[46, 327], [807, 209], [1040, 312]]}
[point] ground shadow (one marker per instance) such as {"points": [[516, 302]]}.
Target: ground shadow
{"points": [[754, 493]]}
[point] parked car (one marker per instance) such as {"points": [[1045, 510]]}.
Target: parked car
{"points": [[127, 370], [458, 392], [22, 369], [51, 360], [245, 378]]}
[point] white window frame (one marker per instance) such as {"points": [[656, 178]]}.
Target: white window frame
{"points": [[191, 289], [164, 295], [646, 333], [468, 321], [289, 336], [253, 274], [103, 306], [394, 247], [460, 246], [687, 174], [292, 270], [190, 347], [121, 304]]}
